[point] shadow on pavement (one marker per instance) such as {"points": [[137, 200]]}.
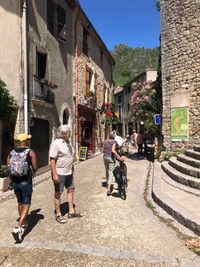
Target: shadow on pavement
{"points": [[33, 218], [115, 194], [135, 156], [64, 208], [104, 184]]}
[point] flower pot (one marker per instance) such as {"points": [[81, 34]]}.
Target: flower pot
{"points": [[4, 183]]}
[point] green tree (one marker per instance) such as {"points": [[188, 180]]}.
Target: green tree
{"points": [[131, 62], [158, 4], [6, 104]]}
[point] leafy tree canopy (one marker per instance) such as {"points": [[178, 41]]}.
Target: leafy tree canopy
{"points": [[130, 62], [6, 103]]}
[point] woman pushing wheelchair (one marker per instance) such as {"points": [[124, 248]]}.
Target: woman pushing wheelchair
{"points": [[110, 155]]}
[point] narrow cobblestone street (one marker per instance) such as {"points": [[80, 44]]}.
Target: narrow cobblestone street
{"points": [[112, 232]]}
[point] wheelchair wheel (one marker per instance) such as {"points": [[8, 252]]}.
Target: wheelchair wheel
{"points": [[123, 192]]}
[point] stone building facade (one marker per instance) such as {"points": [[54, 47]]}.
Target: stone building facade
{"points": [[122, 96], [180, 48], [93, 66], [37, 43], [69, 72]]}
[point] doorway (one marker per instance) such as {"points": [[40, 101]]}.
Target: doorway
{"points": [[40, 140]]}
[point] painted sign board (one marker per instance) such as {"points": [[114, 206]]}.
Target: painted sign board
{"points": [[83, 153], [179, 124]]}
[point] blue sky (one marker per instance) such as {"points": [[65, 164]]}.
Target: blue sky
{"points": [[132, 22]]}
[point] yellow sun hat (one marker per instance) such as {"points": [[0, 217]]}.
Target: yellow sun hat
{"points": [[23, 137]]}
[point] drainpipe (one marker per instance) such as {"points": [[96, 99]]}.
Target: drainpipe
{"points": [[76, 84], [25, 96]]}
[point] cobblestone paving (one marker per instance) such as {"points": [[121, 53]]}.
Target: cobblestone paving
{"points": [[112, 232]]}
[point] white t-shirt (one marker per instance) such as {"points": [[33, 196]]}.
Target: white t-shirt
{"points": [[119, 140], [63, 153]]}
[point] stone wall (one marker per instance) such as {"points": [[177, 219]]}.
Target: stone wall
{"points": [[180, 48], [59, 64], [10, 47]]}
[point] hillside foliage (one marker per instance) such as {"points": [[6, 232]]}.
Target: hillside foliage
{"points": [[130, 62]]}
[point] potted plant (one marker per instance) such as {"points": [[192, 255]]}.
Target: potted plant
{"points": [[4, 180]]}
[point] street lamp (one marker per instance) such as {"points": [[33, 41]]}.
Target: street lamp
{"points": [[142, 125]]}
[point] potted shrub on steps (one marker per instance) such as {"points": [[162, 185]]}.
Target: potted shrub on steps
{"points": [[4, 180]]}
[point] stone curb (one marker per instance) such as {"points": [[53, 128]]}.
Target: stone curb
{"points": [[101, 252], [182, 215]]}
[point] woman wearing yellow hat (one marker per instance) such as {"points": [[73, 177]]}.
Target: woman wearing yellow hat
{"points": [[21, 165]]}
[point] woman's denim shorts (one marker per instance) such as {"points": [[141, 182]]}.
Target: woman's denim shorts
{"points": [[23, 192]]}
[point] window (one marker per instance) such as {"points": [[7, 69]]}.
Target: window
{"points": [[50, 17], [88, 81], [128, 89], [119, 99], [85, 41], [120, 112], [41, 65], [56, 20], [65, 116], [61, 21]]}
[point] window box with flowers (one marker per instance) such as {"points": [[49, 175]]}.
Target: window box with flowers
{"points": [[110, 115], [4, 180]]}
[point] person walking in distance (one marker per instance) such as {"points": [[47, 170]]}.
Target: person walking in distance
{"points": [[61, 155], [139, 142], [21, 166], [134, 138], [109, 156]]}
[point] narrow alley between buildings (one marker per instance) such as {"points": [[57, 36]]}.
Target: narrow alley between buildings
{"points": [[112, 232]]}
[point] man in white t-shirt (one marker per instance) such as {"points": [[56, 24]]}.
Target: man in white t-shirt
{"points": [[119, 139], [61, 155]]}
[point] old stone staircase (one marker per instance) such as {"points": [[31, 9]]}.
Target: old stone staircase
{"points": [[176, 187]]}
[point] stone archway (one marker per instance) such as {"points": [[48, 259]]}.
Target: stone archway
{"points": [[65, 115]]}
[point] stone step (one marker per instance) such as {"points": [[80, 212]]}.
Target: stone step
{"points": [[193, 154], [184, 168], [196, 148], [188, 160], [178, 202], [179, 176], [184, 188]]}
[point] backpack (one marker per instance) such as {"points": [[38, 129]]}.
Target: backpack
{"points": [[18, 165]]}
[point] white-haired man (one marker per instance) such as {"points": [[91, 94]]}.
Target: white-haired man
{"points": [[61, 162]]}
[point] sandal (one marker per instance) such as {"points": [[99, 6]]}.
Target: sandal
{"points": [[60, 219], [74, 215]]}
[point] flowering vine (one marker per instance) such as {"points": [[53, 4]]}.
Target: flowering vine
{"points": [[142, 100]]}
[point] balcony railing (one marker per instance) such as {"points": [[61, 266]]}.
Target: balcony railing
{"points": [[42, 90], [90, 102]]}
